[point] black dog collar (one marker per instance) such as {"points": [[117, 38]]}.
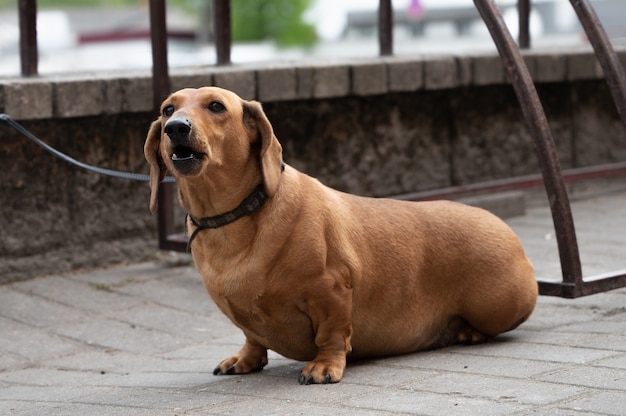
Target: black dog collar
{"points": [[249, 206]]}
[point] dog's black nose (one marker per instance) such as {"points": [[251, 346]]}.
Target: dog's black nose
{"points": [[178, 129]]}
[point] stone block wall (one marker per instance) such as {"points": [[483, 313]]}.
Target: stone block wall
{"points": [[377, 127]]}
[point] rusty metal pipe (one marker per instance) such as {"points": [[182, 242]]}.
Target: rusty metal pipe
{"points": [[544, 143], [29, 55], [592, 285], [613, 70], [613, 170]]}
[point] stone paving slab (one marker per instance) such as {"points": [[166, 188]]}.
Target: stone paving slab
{"points": [[143, 340]]}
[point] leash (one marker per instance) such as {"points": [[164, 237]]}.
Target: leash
{"points": [[107, 172], [248, 207]]}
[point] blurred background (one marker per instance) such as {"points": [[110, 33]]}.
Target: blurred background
{"points": [[90, 35]]}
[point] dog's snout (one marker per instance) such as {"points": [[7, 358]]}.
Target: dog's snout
{"points": [[178, 129]]}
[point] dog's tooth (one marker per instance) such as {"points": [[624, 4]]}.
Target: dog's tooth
{"points": [[176, 157]]}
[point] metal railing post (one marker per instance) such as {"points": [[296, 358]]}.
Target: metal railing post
{"points": [[160, 90], [29, 55], [523, 11], [385, 28], [158, 37], [221, 26]]}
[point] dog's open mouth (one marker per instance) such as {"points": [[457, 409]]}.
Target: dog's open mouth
{"points": [[184, 153], [185, 159]]}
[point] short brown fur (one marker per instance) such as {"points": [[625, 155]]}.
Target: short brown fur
{"points": [[318, 275]]}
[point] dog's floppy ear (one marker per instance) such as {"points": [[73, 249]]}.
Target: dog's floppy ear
{"points": [[271, 151], [157, 167]]}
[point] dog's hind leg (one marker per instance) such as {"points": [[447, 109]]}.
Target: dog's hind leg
{"points": [[456, 331], [469, 335]]}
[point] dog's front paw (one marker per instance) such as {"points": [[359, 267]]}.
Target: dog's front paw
{"points": [[252, 357], [236, 364], [322, 372]]}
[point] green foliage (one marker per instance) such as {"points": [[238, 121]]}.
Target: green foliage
{"points": [[280, 20]]}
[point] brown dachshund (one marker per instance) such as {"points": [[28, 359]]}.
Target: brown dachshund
{"points": [[318, 275]]}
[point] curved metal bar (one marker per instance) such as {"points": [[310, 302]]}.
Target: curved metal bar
{"points": [[613, 70], [544, 143]]}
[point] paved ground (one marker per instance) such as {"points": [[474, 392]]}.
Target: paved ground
{"points": [[143, 340]]}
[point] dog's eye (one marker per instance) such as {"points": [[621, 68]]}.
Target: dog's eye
{"points": [[216, 107], [168, 110]]}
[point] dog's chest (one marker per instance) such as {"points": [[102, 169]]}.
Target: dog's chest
{"points": [[273, 319]]}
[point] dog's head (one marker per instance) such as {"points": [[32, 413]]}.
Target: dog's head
{"points": [[209, 131]]}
